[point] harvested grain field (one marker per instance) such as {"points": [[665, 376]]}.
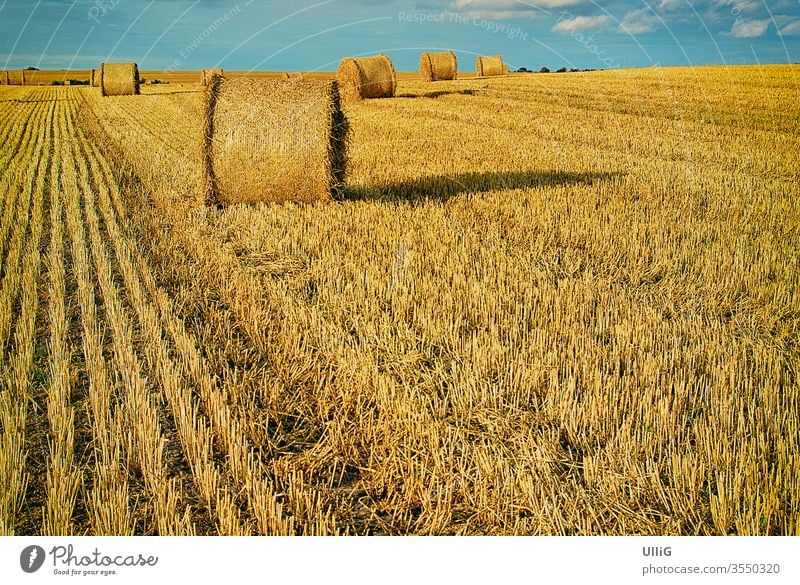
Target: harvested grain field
{"points": [[545, 305]]}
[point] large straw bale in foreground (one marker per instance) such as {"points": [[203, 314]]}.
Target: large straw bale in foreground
{"points": [[367, 77], [273, 140], [207, 74], [438, 66], [119, 79], [16, 77], [489, 66]]}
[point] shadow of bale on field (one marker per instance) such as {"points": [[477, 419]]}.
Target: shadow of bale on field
{"points": [[446, 186]]}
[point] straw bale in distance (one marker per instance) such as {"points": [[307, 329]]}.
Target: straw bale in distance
{"points": [[207, 74], [366, 77], [489, 66], [438, 66], [3, 77], [16, 78], [273, 140], [119, 79]]}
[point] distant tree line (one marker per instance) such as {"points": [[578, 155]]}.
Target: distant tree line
{"points": [[547, 70], [71, 82]]}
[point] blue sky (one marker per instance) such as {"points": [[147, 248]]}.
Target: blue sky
{"points": [[308, 35]]}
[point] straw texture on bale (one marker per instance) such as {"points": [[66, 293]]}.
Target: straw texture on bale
{"points": [[505, 69], [94, 78], [366, 77], [119, 79], [207, 74], [16, 77], [438, 66], [489, 66], [273, 140], [3, 77]]}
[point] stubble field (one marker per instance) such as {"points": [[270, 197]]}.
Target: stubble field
{"points": [[549, 304]]}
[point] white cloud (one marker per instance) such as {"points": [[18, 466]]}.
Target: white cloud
{"points": [[504, 9], [641, 20], [741, 5], [512, 5], [782, 20], [747, 29], [501, 14], [793, 28], [578, 23], [666, 5]]}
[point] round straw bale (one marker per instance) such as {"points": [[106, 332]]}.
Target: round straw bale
{"points": [[3, 77], [207, 74], [16, 78], [119, 79], [67, 82], [273, 140], [489, 66], [438, 66], [97, 76], [367, 77]]}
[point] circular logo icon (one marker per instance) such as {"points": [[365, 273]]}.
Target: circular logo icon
{"points": [[31, 558]]}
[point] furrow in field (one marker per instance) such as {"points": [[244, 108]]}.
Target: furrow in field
{"points": [[144, 444], [107, 493], [18, 371], [18, 225], [193, 430], [14, 113], [63, 477], [15, 129], [199, 259], [12, 186], [37, 426], [179, 145], [154, 309], [302, 503], [174, 375]]}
